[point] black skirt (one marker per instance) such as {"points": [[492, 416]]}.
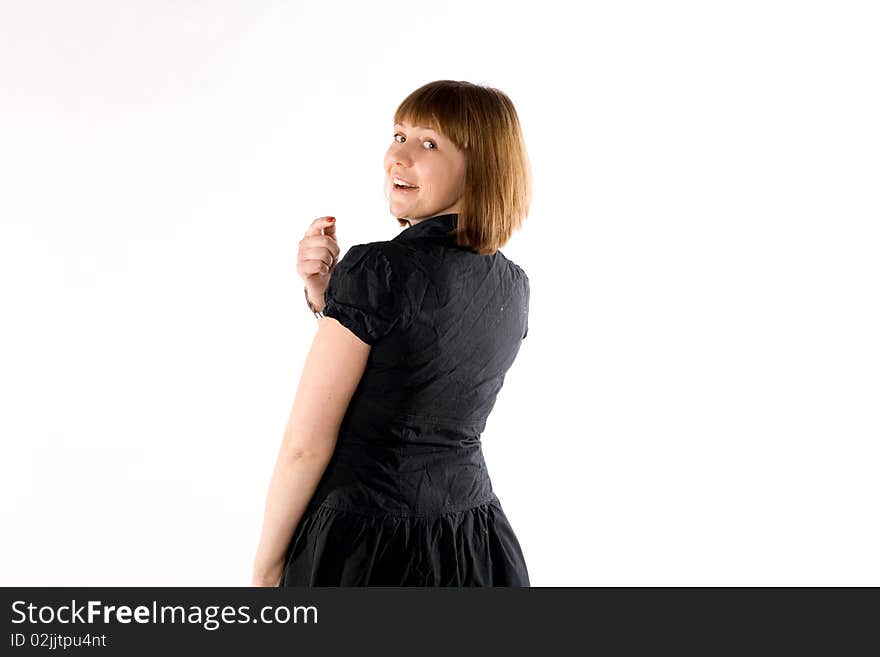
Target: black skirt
{"points": [[470, 547]]}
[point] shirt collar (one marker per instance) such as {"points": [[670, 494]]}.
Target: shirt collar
{"points": [[437, 226]]}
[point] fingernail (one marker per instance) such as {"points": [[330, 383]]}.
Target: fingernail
{"points": [[331, 219]]}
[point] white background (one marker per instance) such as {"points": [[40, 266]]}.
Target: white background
{"points": [[696, 402]]}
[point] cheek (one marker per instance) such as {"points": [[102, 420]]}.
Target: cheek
{"points": [[437, 174]]}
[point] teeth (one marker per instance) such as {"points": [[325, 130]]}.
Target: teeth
{"points": [[398, 181]]}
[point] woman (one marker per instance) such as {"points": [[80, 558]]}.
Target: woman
{"points": [[381, 479]]}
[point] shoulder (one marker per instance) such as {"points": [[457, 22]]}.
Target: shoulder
{"points": [[385, 266], [375, 260], [521, 272], [397, 263], [376, 252], [518, 271], [358, 254]]}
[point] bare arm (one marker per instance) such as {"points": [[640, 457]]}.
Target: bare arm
{"points": [[332, 371]]}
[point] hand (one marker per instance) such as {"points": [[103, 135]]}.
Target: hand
{"points": [[316, 257]]}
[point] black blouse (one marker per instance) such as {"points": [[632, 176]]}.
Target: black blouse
{"points": [[407, 479], [445, 323]]}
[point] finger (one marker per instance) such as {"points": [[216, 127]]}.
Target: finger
{"points": [[315, 247], [315, 267], [319, 253], [315, 228], [318, 265], [309, 268]]}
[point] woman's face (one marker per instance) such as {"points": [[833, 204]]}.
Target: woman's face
{"points": [[427, 159]]}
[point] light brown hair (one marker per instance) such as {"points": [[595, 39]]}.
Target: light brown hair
{"points": [[482, 122]]}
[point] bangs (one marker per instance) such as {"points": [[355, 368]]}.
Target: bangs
{"points": [[439, 109]]}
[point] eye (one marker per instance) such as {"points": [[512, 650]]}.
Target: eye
{"points": [[427, 141]]}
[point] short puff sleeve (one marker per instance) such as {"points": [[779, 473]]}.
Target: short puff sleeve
{"points": [[362, 295]]}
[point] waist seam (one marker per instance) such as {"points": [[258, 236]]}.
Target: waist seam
{"points": [[405, 513], [452, 422]]}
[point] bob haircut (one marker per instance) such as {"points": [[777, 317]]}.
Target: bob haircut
{"points": [[482, 122]]}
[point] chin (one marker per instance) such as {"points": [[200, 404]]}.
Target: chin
{"points": [[402, 209]]}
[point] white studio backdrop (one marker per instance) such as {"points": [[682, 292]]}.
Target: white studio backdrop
{"points": [[696, 402]]}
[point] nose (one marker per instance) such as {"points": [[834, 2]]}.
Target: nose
{"points": [[400, 158]]}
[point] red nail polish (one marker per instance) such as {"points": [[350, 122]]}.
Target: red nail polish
{"points": [[331, 219]]}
